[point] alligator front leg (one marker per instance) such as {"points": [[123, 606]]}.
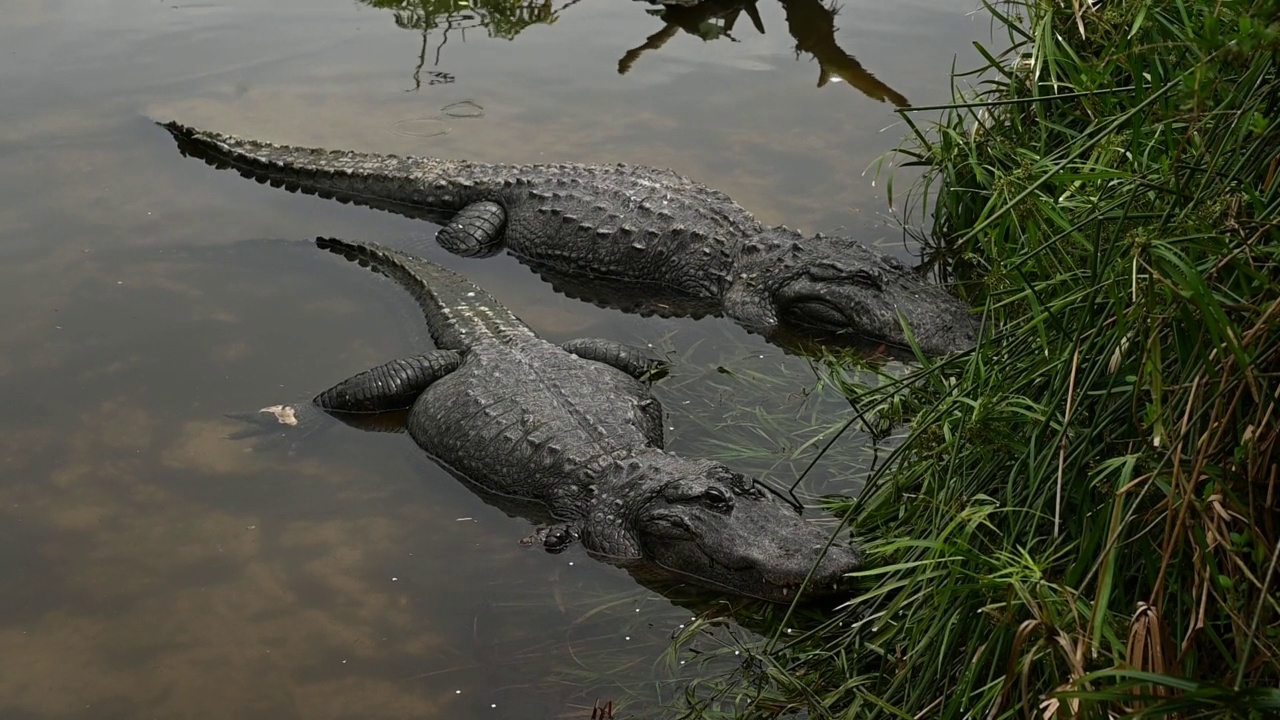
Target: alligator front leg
{"points": [[554, 538], [631, 360], [476, 231], [748, 305]]}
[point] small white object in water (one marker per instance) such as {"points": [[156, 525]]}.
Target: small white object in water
{"points": [[284, 414]]}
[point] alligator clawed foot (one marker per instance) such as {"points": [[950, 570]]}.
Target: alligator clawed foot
{"points": [[554, 539], [558, 538], [657, 370]]}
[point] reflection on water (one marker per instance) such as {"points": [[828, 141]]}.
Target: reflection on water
{"points": [[149, 567], [707, 20], [810, 22], [502, 19]]}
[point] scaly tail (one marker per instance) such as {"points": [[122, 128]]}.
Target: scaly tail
{"points": [[458, 312], [415, 187]]}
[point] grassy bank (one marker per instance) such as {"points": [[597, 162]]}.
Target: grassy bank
{"points": [[1084, 520]]}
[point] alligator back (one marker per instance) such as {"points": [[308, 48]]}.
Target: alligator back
{"points": [[520, 417], [535, 422]]}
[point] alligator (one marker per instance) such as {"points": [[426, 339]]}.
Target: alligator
{"points": [[572, 436], [627, 224]]}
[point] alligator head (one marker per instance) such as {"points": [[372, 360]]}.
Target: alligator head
{"points": [[703, 524], [834, 285]]}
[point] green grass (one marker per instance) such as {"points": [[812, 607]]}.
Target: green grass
{"points": [[1083, 520]]}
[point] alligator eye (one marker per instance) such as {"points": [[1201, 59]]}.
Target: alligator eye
{"points": [[873, 279], [818, 313], [716, 497]]}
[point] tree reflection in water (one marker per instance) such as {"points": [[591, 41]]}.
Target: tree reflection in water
{"points": [[810, 22]]}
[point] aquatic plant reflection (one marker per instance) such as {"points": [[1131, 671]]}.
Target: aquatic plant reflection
{"points": [[810, 22]]}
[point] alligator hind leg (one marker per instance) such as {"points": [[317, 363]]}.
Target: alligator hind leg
{"points": [[368, 401], [631, 360], [390, 386], [476, 231]]}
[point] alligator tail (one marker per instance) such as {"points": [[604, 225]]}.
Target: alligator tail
{"points": [[383, 182], [458, 312]]}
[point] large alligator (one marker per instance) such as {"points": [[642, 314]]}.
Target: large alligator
{"points": [[629, 224], [571, 437]]}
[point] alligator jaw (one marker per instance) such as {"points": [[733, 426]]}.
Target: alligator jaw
{"points": [[827, 286]]}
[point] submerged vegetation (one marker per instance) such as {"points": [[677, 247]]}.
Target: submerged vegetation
{"points": [[1084, 519]]}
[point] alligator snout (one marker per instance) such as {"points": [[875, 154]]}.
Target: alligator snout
{"points": [[821, 569]]}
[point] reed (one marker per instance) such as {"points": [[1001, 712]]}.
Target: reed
{"points": [[1083, 520]]}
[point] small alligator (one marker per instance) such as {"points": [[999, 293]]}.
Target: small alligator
{"points": [[572, 437], [624, 223]]}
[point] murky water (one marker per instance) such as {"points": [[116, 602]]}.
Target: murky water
{"points": [[149, 567]]}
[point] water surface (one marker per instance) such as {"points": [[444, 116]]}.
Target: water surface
{"points": [[149, 567]]}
